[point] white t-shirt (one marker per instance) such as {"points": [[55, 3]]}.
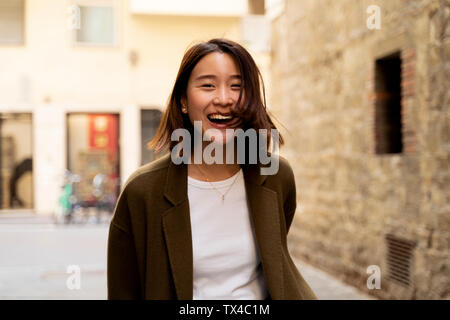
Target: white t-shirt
{"points": [[225, 254]]}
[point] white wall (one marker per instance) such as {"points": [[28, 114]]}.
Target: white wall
{"points": [[50, 76], [191, 7], [49, 132]]}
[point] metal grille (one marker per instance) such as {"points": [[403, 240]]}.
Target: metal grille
{"points": [[399, 257]]}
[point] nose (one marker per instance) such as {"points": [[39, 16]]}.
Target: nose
{"points": [[223, 102], [223, 98]]}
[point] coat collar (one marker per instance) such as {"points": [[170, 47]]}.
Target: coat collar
{"points": [[263, 206], [176, 181]]}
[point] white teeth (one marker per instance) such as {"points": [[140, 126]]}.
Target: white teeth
{"points": [[218, 116]]}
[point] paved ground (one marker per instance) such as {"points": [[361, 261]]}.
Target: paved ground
{"points": [[36, 254], [327, 287]]}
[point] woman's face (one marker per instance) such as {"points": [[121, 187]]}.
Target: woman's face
{"points": [[212, 91]]}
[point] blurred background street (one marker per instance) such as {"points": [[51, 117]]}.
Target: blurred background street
{"points": [[36, 255], [359, 90], [37, 266]]}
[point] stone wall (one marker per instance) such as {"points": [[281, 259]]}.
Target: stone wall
{"points": [[350, 197]]}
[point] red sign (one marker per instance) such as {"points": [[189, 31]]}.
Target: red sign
{"points": [[103, 135]]}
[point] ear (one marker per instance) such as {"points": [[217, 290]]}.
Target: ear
{"points": [[183, 101]]}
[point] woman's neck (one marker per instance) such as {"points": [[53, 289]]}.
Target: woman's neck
{"points": [[214, 171]]}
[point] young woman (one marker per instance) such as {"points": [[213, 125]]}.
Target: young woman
{"points": [[202, 230]]}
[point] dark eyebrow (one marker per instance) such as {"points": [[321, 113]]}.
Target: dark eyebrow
{"points": [[211, 76]]}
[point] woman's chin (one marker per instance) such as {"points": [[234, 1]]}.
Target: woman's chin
{"points": [[221, 140], [217, 136]]}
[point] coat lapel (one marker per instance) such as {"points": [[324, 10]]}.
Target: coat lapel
{"points": [[263, 206], [177, 231]]}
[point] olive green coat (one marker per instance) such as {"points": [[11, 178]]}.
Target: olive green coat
{"points": [[150, 242]]}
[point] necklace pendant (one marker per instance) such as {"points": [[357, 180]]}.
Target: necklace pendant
{"points": [[223, 198]]}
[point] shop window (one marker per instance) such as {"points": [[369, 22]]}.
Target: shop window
{"points": [[16, 161], [93, 159]]}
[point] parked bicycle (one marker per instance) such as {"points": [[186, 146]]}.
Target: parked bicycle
{"points": [[86, 200]]}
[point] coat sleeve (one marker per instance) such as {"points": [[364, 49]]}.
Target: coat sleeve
{"points": [[290, 204], [122, 269]]}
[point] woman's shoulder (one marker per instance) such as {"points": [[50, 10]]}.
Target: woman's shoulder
{"points": [[284, 163], [154, 170], [283, 179], [284, 168]]}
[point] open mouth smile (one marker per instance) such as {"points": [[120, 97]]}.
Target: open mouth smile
{"points": [[221, 121]]}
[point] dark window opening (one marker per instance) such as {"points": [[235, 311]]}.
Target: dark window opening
{"points": [[16, 161], [388, 122], [150, 120]]}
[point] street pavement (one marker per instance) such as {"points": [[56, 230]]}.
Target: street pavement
{"points": [[43, 260]]}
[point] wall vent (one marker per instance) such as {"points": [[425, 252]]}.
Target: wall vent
{"points": [[399, 259]]}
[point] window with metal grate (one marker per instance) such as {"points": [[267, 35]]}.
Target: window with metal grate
{"points": [[399, 259]]}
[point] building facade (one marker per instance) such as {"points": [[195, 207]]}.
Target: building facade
{"points": [[83, 84], [363, 87]]}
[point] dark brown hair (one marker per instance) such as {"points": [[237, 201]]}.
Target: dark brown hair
{"points": [[252, 111]]}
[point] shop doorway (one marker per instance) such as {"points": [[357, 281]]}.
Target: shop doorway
{"points": [[16, 161], [93, 160]]}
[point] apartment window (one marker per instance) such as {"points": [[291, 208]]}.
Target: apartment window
{"points": [[256, 7], [97, 25], [12, 24], [388, 93]]}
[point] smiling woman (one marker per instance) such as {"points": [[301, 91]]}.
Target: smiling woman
{"points": [[214, 87], [220, 77], [207, 231]]}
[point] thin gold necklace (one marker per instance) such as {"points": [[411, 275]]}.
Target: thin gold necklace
{"points": [[221, 194]]}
